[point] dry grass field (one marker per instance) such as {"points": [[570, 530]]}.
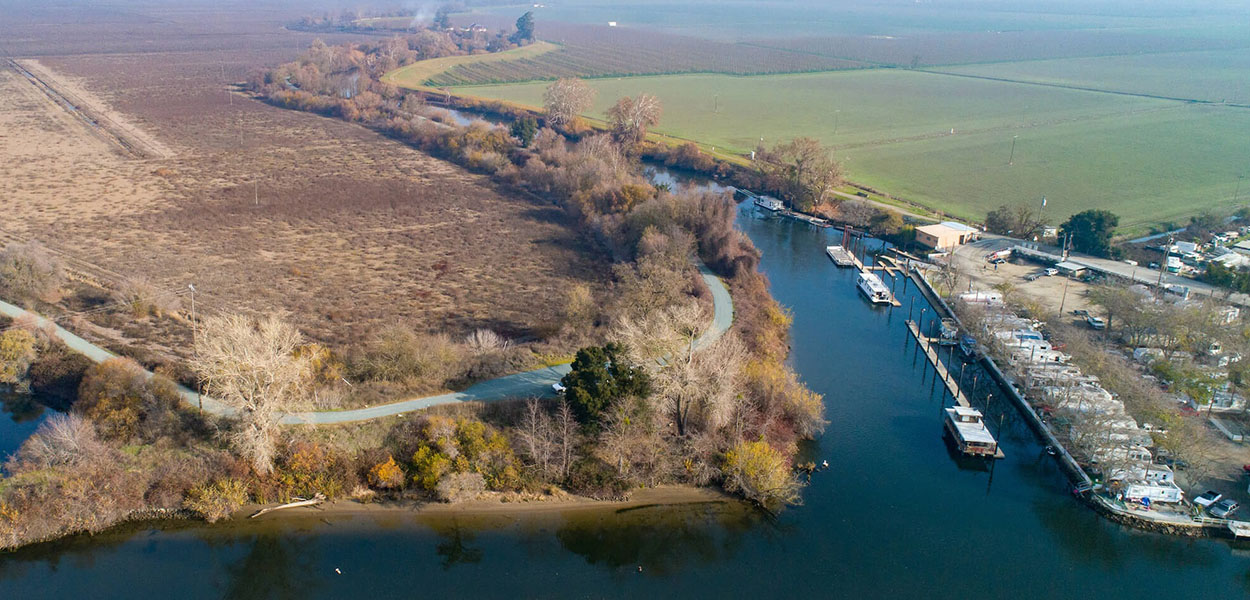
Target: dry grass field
{"points": [[266, 209]]}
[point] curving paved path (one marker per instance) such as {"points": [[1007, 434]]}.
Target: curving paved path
{"points": [[531, 383]]}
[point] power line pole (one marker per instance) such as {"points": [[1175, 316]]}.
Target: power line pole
{"points": [[1012, 159]]}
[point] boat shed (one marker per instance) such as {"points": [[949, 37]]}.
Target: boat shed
{"points": [[944, 237], [1070, 269]]}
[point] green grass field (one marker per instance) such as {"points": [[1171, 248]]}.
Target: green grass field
{"points": [[1213, 76], [1150, 161], [415, 75]]}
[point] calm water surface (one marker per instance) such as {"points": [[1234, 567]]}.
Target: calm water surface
{"points": [[896, 514]]}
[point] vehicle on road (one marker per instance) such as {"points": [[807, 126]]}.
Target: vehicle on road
{"points": [[1223, 508], [1095, 322], [1207, 498]]}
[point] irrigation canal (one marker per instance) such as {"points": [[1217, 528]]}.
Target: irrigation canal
{"points": [[898, 514]]}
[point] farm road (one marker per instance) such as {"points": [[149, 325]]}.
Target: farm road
{"points": [[531, 383]]}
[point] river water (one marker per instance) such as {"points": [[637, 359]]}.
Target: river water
{"points": [[896, 514]]}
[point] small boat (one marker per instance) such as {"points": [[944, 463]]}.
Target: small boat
{"points": [[872, 288], [948, 333], [841, 256], [969, 347], [967, 428]]}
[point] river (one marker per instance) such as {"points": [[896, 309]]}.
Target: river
{"points": [[896, 515]]}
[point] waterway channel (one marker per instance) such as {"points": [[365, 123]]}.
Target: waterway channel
{"points": [[896, 514]]}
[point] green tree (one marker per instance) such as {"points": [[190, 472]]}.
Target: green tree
{"points": [[599, 377], [1091, 231], [524, 129], [524, 29]]}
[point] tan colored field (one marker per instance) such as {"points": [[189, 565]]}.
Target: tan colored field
{"points": [[267, 209]]}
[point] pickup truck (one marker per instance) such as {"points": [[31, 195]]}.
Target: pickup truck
{"points": [[1207, 498]]}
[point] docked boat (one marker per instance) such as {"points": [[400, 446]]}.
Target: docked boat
{"points": [[948, 333], [841, 256], [969, 347], [872, 288], [967, 428], [769, 203]]}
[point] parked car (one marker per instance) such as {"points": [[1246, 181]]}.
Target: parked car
{"points": [[1095, 322], [1034, 276], [1207, 498], [1050, 272], [558, 388], [1080, 312], [1224, 508], [997, 261]]}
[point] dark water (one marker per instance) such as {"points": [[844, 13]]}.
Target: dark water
{"points": [[895, 516], [20, 415]]}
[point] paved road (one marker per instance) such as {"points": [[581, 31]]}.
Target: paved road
{"points": [[529, 384]]}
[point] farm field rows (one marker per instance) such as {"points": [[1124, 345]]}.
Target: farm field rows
{"points": [[416, 74], [1149, 160], [1212, 76]]}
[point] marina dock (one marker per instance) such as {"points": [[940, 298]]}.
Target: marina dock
{"points": [[931, 353]]}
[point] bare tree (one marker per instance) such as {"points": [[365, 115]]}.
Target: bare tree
{"points": [[29, 272], [64, 439], [536, 436], [252, 365], [801, 170], [631, 117], [694, 386], [565, 99]]}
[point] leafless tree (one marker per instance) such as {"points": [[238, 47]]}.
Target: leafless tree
{"points": [[29, 272], [801, 170], [631, 117], [482, 341], [694, 386], [64, 439], [565, 99], [252, 365]]}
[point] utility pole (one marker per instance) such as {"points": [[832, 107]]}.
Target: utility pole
{"points": [[836, 115], [199, 393], [1167, 253], [1012, 159]]}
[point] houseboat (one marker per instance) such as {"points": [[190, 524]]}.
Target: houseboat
{"points": [[841, 256], [872, 288], [968, 430], [769, 203]]}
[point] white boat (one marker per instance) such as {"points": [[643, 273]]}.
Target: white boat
{"points": [[769, 203], [873, 289], [968, 430]]}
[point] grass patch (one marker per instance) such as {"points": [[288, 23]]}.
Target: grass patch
{"points": [[415, 75]]}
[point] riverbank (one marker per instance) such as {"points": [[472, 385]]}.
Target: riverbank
{"points": [[504, 504]]}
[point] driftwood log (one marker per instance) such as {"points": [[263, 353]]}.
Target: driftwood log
{"points": [[317, 499]]}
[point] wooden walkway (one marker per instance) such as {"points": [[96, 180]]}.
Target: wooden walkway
{"points": [[952, 386]]}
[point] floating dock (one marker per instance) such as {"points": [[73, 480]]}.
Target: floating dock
{"points": [[841, 256], [952, 386]]}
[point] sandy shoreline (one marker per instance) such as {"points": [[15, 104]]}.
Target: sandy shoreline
{"points": [[646, 497]]}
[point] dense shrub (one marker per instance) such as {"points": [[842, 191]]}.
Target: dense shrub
{"points": [[217, 500], [28, 272], [124, 401], [386, 475], [761, 474]]}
